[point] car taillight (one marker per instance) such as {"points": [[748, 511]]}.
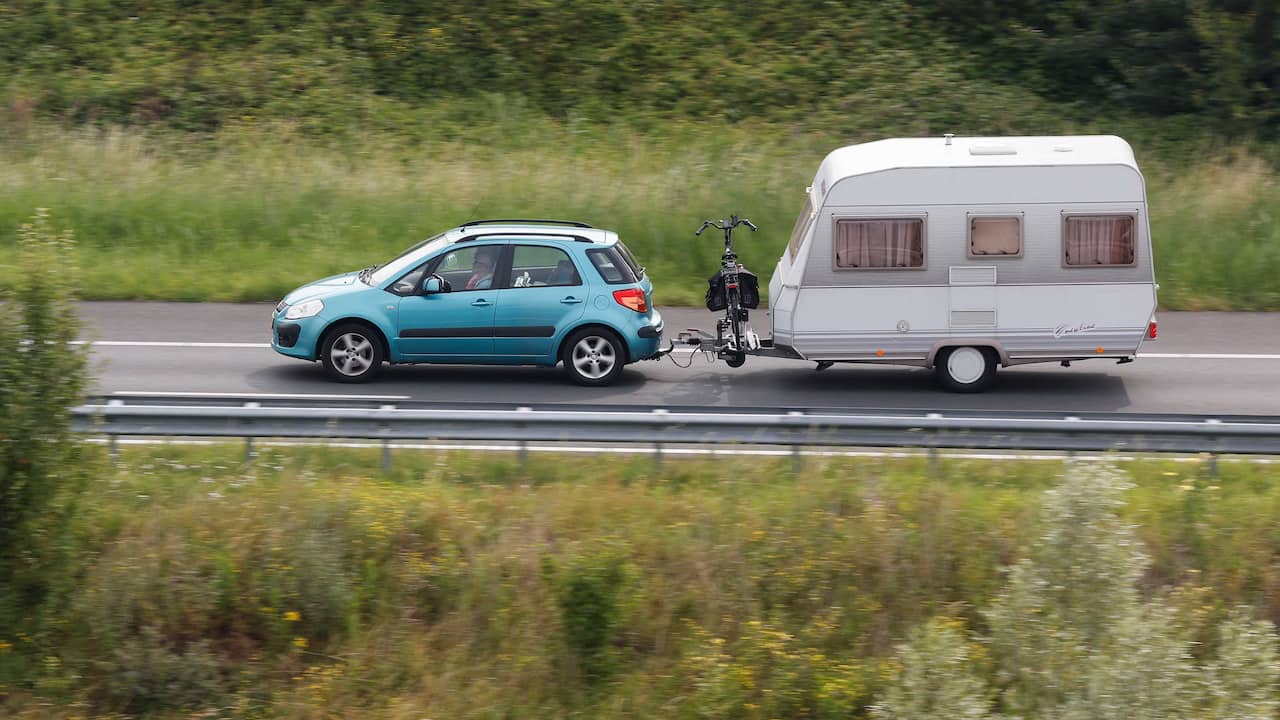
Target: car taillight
{"points": [[632, 299], [1151, 330]]}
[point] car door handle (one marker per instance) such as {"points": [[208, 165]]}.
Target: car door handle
{"points": [[481, 303], [571, 300]]}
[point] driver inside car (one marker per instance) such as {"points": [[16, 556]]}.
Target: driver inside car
{"points": [[481, 271]]}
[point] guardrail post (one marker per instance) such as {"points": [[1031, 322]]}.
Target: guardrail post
{"points": [[931, 445], [386, 456], [249, 452], [797, 450], [657, 455], [113, 449], [1213, 456]]}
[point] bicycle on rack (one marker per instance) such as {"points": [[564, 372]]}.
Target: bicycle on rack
{"points": [[735, 290]]}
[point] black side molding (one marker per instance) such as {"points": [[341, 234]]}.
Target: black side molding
{"points": [[532, 331]]}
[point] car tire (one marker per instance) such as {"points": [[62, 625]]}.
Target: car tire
{"points": [[594, 356], [351, 353], [966, 369]]}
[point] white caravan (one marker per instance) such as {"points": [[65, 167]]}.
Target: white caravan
{"points": [[967, 253]]}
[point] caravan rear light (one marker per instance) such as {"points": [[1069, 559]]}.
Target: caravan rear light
{"points": [[632, 299], [1151, 330]]}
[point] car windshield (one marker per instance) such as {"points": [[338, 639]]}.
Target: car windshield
{"points": [[404, 261]]}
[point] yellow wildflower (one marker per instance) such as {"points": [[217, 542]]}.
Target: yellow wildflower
{"points": [[300, 642], [292, 616]]}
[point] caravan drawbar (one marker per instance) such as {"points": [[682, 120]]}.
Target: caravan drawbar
{"points": [[965, 254]]}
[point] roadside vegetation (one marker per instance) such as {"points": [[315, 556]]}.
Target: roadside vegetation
{"points": [[253, 214], [471, 586], [231, 150]]}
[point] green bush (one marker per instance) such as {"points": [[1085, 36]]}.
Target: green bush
{"points": [[1071, 636], [42, 374], [589, 594]]}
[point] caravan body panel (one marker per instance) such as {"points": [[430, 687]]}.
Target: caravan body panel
{"points": [[1031, 305]]}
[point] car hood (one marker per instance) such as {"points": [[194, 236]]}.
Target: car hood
{"points": [[326, 287]]}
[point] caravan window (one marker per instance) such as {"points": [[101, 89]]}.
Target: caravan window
{"points": [[802, 226], [879, 244], [995, 237], [1097, 240]]}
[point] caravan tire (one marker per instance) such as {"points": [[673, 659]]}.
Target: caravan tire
{"points": [[966, 369]]}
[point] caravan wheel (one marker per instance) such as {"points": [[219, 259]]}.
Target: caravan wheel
{"points": [[966, 369]]}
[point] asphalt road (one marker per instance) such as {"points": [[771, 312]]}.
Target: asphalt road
{"points": [[1203, 363]]}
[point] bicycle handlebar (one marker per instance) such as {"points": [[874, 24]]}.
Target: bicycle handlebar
{"points": [[726, 225]]}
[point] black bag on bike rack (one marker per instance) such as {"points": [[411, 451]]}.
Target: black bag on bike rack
{"points": [[748, 291]]}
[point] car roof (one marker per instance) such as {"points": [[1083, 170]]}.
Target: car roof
{"points": [[564, 231]]}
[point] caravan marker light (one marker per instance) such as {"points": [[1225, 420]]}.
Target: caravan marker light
{"points": [[1151, 330], [1099, 350]]}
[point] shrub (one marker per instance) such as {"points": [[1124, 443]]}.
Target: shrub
{"points": [[41, 376], [1072, 637]]}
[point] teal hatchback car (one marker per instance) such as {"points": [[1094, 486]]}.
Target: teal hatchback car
{"points": [[499, 292]]}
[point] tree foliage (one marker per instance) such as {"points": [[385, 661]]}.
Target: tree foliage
{"points": [[903, 64]]}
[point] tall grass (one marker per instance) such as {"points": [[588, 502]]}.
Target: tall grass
{"points": [[471, 586], [252, 214]]}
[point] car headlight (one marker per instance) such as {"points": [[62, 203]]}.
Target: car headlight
{"points": [[304, 310]]}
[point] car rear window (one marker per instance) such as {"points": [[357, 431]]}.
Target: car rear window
{"points": [[611, 266], [630, 259]]}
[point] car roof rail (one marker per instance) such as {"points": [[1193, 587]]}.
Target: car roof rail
{"points": [[564, 235], [539, 221]]}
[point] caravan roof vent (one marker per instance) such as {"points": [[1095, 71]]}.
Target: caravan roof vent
{"points": [[992, 150]]}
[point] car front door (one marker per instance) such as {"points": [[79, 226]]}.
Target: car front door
{"points": [[544, 293], [457, 325]]}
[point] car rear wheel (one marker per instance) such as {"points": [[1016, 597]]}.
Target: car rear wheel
{"points": [[593, 357], [966, 369], [351, 353]]}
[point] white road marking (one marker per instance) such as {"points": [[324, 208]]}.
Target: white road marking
{"points": [[169, 343], [1207, 356], [263, 396]]}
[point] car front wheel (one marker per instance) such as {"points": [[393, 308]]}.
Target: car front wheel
{"points": [[351, 353], [593, 357]]}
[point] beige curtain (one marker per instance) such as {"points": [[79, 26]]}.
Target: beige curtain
{"points": [[880, 243], [995, 236], [1099, 240]]}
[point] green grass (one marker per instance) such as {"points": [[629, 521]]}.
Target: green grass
{"points": [[249, 215], [471, 586]]}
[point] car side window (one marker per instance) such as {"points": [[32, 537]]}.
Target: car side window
{"points": [[408, 284], [539, 266], [469, 267], [612, 268]]}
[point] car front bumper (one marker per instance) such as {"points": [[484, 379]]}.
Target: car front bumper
{"points": [[296, 338]]}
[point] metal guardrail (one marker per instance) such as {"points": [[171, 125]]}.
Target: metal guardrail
{"points": [[177, 416]]}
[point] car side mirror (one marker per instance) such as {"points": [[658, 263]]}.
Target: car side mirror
{"points": [[435, 284]]}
